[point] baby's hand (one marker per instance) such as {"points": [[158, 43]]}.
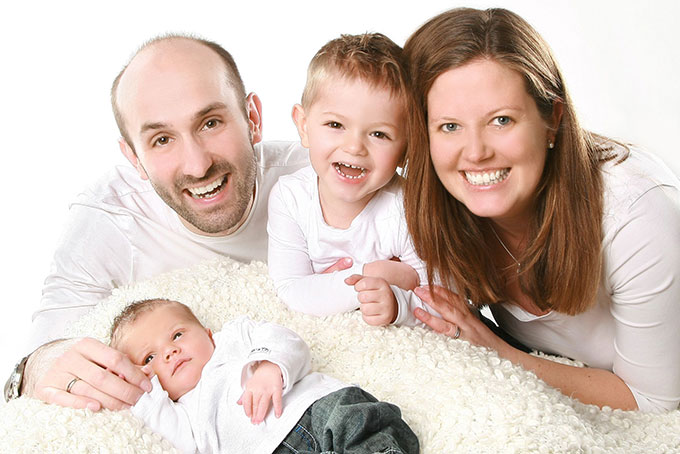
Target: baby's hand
{"points": [[394, 272], [264, 386], [378, 303]]}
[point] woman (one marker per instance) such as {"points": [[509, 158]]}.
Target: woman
{"points": [[571, 238]]}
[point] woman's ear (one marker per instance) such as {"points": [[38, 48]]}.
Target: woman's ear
{"points": [[555, 119]]}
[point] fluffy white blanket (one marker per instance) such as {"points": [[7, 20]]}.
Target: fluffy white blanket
{"points": [[457, 398]]}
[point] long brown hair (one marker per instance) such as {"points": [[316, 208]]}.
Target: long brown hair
{"points": [[562, 261]]}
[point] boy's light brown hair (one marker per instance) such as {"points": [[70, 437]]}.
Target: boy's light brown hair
{"points": [[371, 57], [134, 310]]}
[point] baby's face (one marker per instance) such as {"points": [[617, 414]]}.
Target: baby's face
{"points": [[356, 136], [175, 347]]}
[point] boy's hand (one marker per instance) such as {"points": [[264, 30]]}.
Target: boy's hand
{"points": [[394, 272], [264, 386], [378, 303]]}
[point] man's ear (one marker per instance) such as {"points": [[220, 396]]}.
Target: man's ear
{"points": [[300, 120], [254, 107], [131, 156]]}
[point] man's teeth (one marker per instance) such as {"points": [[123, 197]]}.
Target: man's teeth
{"points": [[486, 178], [349, 171], [204, 191]]}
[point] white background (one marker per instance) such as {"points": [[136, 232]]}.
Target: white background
{"points": [[57, 132]]}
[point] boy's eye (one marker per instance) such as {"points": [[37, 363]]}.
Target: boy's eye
{"points": [[502, 120], [163, 140], [450, 127], [379, 135], [334, 124], [148, 359], [177, 336]]}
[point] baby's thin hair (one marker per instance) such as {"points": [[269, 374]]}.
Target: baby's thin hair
{"points": [[371, 57], [134, 310]]}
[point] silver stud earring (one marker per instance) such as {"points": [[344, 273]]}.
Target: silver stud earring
{"points": [[551, 145]]}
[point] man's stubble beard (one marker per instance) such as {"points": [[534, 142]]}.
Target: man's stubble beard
{"points": [[230, 212]]}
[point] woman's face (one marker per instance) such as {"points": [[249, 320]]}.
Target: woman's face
{"points": [[488, 141]]}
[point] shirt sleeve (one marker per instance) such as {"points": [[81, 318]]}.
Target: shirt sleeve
{"points": [[643, 259], [290, 266], [165, 417], [279, 345], [92, 257]]}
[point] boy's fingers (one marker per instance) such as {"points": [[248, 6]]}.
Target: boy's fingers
{"points": [[353, 279]]}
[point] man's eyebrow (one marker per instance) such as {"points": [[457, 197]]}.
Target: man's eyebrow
{"points": [[206, 110], [209, 108]]}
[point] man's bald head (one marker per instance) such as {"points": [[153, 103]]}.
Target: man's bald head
{"points": [[154, 52]]}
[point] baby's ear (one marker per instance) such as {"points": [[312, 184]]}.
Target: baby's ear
{"points": [[207, 330], [300, 120]]}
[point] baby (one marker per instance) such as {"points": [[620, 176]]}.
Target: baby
{"points": [[348, 203], [200, 379]]}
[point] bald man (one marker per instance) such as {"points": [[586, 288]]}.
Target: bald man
{"points": [[197, 190]]}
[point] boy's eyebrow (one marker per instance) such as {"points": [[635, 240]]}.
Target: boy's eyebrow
{"points": [[160, 125]]}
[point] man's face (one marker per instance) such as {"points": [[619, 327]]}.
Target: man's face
{"points": [[190, 134]]}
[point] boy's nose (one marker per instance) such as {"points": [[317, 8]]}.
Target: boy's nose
{"points": [[354, 145]]}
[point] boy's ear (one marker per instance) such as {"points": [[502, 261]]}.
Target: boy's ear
{"points": [[254, 106], [300, 120], [131, 156]]}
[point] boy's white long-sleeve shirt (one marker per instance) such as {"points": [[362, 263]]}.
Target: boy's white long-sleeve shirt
{"points": [[302, 245], [208, 419]]}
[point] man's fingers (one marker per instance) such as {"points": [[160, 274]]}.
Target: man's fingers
{"points": [[105, 382], [115, 361], [61, 397], [342, 264]]}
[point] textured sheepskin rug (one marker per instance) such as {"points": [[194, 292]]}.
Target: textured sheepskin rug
{"points": [[457, 398]]}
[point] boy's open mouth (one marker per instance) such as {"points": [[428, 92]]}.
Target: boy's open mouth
{"points": [[349, 171]]}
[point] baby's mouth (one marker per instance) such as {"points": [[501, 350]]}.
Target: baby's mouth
{"points": [[349, 170]]}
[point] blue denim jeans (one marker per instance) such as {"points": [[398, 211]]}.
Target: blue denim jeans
{"points": [[350, 421]]}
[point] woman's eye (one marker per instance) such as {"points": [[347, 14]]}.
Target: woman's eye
{"points": [[176, 336], [148, 359], [502, 120], [450, 127]]}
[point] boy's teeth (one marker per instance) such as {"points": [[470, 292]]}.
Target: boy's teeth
{"points": [[349, 171], [486, 178], [204, 191]]}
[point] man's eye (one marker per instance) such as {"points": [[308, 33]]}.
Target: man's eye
{"points": [[148, 359], [210, 124], [450, 127]]}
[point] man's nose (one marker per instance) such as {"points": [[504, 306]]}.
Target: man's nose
{"points": [[196, 158]]}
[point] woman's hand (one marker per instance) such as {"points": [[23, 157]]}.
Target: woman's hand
{"points": [[455, 314]]}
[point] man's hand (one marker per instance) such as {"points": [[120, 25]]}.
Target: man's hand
{"points": [[378, 303], [264, 386], [394, 272], [104, 377]]}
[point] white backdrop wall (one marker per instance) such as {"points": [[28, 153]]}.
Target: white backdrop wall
{"points": [[59, 58]]}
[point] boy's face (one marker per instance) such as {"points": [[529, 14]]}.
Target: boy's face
{"points": [[175, 347], [356, 136]]}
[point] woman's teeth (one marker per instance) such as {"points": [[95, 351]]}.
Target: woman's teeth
{"points": [[208, 190], [486, 178], [349, 171]]}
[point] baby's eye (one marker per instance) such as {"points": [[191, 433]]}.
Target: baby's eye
{"points": [[503, 120], [379, 135], [334, 125], [450, 127], [177, 336], [148, 359]]}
